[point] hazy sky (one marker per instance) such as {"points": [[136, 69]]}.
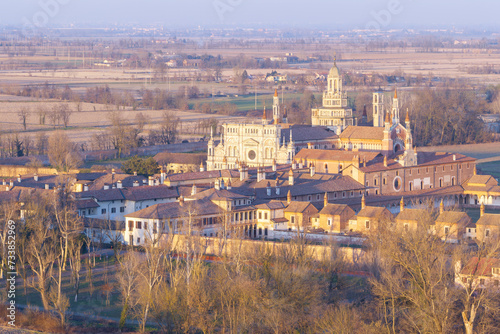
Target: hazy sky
{"points": [[331, 14]]}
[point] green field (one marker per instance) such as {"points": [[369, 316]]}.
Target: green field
{"points": [[490, 168]]}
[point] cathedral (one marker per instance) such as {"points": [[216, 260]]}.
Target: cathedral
{"points": [[333, 127]]}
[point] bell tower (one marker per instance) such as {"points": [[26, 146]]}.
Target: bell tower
{"points": [[378, 109], [276, 107]]}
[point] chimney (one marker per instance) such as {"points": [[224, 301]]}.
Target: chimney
{"points": [[135, 173], [113, 172], [19, 178], [294, 164], [278, 188], [441, 207], [312, 169], [243, 172], [229, 186], [35, 177], [217, 184], [385, 160], [301, 163], [4, 182], [194, 190], [268, 188], [310, 146], [261, 174], [290, 178], [11, 183], [151, 181], [363, 202], [144, 182], [119, 184], [481, 209], [7, 188], [454, 157], [181, 200], [274, 165], [106, 186], [325, 199], [163, 175], [237, 164], [202, 168], [113, 186], [222, 184], [135, 184], [289, 197], [85, 187], [401, 205], [47, 187]]}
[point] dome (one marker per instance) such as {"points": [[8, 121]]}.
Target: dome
{"points": [[334, 71]]}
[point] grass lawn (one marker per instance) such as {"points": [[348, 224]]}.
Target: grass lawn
{"points": [[491, 168]]}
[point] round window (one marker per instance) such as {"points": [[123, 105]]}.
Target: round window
{"points": [[251, 155], [397, 183]]}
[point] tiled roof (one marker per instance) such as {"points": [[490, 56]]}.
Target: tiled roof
{"points": [[335, 209], [413, 214], [271, 205], [203, 175], [480, 267], [296, 206], [127, 180], [482, 180], [457, 217], [213, 194], [363, 132], [307, 133], [489, 219], [89, 176], [149, 192], [334, 155], [86, 204], [373, 212], [164, 158], [175, 210]]}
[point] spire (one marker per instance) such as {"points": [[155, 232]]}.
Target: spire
{"points": [[441, 207], [325, 199], [481, 209], [387, 117], [396, 93], [363, 202], [407, 120], [402, 205], [276, 92], [289, 197], [264, 115]]}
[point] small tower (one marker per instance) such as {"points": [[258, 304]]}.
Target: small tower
{"points": [[378, 109], [264, 116], [363, 202], [290, 178], [276, 107], [395, 108], [402, 205], [289, 197], [325, 199], [364, 117]]}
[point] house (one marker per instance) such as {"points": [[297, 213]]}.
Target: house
{"points": [[413, 219], [480, 273], [299, 215], [334, 218], [488, 226], [481, 189], [451, 226], [369, 218]]}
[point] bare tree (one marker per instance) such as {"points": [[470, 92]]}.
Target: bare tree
{"points": [[62, 152], [64, 113], [24, 114]]}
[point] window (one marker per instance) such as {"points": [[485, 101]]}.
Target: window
{"points": [[317, 197], [155, 228], [145, 225], [103, 211], [122, 209], [138, 240], [113, 210], [374, 182], [367, 224], [292, 219], [138, 225], [406, 227], [481, 281], [385, 180], [487, 233], [309, 198], [496, 282], [329, 222], [343, 194], [260, 215], [446, 230], [130, 225], [265, 215]]}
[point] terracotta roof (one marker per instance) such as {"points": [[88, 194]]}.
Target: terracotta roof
{"points": [[271, 205], [489, 219], [203, 175], [126, 179], [412, 214], [175, 210], [296, 206], [482, 180], [150, 192], [86, 204], [373, 212], [307, 133], [164, 158], [213, 194], [102, 195], [480, 267], [363, 132], [454, 217], [335, 209], [88, 176], [335, 155]]}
